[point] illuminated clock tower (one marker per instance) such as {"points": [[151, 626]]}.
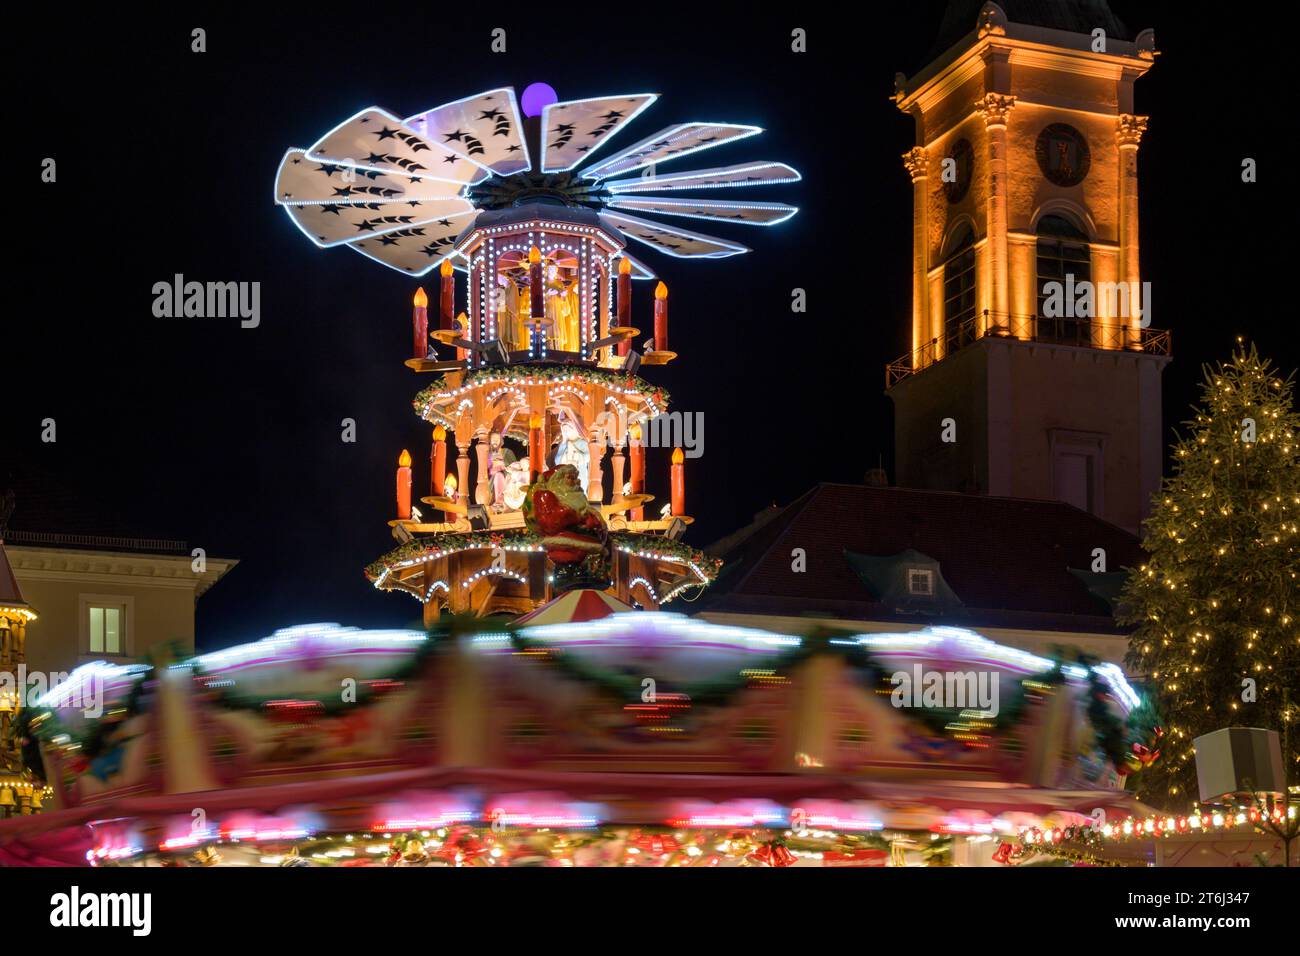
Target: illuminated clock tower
{"points": [[1035, 368]]}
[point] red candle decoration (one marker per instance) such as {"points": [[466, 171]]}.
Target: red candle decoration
{"points": [[447, 302], [420, 325], [661, 318], [438, 463], [536, 302], [636, 455], [462, 325], [679, 482], [624, 300], [404, 485], [536, 453]]}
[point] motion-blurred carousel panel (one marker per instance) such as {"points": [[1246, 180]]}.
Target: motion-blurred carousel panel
{"points": [[603, 737]]}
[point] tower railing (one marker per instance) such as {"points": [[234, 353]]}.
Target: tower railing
{"points": [[1080, 333]]}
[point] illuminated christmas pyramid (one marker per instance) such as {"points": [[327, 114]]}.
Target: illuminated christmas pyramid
{"points": [[540, 417]]}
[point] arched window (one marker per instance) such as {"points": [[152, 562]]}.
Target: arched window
{"points": [[959, 292], [1062, 253]]}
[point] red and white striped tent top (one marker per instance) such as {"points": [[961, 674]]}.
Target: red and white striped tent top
{"points": [[571, 607]]}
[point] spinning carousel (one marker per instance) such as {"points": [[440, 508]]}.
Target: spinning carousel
{"points": [[538, 352]]}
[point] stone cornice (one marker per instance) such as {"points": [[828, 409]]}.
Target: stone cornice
{"points": [[117, 568]]}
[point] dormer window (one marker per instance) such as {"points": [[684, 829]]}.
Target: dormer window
{"points": [[920, 582]]}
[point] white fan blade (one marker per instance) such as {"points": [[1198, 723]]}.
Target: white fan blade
{"points": [[301, 181], [485, 129], [572, 131], [331, 224], [671, 143], [751, 213], [416, 250], [378, 140], [743, 174], [682, 243]]}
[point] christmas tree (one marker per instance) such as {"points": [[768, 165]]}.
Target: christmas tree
{"points": [[1216, 603]]}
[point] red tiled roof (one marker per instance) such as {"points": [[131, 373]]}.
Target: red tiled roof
{"points": [[10, 593], [1006, 558]]}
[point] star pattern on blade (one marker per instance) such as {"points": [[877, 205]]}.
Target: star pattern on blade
{"points": [[403, 191]]}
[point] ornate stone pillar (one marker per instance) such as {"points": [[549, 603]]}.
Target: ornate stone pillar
{"points": [[916, 161], [995, 107], [1128, 135]]}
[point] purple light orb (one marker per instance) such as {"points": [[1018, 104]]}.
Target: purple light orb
{"points": [[538, 96]]}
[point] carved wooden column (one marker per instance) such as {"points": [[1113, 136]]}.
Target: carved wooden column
{"points": [[482, 487], [462, 466], [596, 454]]}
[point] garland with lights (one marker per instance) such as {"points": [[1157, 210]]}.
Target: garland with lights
{"points": [[478, 844], [450, 628], [541, 375], [1215, 604], [945, 721], [92, 740], [443, 543], [1119, 739], [226, 692]]}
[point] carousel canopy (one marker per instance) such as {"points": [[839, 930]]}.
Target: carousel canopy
{"points": [[571, 607]]}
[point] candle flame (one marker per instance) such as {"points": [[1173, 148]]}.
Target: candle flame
{"points": [[661, 291], [404, 459], [635, 432], [534, 254], [624, 266], [440, 434], [420, 300], [463, 321], [445, 269], [535, 421], [678, 457]]}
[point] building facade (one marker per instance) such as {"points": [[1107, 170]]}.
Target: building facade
{"points": [[107, 598], [1034, 370]]}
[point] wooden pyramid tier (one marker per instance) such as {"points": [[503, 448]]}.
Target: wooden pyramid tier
{"points": [[507, 572]]}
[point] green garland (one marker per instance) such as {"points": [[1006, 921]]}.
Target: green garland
{"points": [[459, 540], [449, 629], [1108, 728], [1116, 737], [939, 720], [230, 697], [543, 373], [91, 741]]}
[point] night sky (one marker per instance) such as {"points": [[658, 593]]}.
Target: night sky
{"points": [[229, 438]]}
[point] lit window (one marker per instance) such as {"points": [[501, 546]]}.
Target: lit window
{"points": [[1064, 257], [106, 629], [920, 582]]}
